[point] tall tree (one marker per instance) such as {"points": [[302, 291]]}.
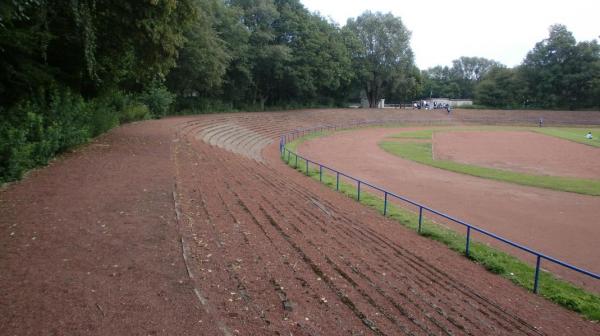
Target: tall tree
{"points": [[88, 45], [380, 53], [468, 71], [440, 82], [502, 87], [562, 73], [459, 80], [204, 58], [23, 41], [320, 64], [267, 59]]}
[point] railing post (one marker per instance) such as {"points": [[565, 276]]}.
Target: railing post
{"points": [[385, 195], [296, 163], [306, 166], [468, 239], [358, 192], [536, 280], [420, 218], [320, 173], [337, 181]]}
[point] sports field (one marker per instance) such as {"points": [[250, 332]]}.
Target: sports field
{"points": [[195, 226], [484, 175]]}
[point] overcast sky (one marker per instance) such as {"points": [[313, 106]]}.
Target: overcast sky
{"points": [[500, 30]]}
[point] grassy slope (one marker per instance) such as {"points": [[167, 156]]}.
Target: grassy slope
{"points": [[522, 274], [422, 153]]}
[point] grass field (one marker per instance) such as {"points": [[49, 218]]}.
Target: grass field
{"points": [[501, 263], [421, 152], [572, 134]]}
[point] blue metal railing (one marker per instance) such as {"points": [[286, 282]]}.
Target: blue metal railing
{"points": [[284, 139]]}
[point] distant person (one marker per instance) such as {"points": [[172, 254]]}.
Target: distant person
{"points": [[541, 122], [589, 136], [448, 109]]}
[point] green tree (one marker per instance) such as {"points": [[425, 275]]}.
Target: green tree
{"points": [[562, 73], [466, 72], [320, 66], [204, 58], [23, 40], [267, 61], [501, 87], [459, 80], [382, 53], [88, 45], [438, 82], [405, 86]]}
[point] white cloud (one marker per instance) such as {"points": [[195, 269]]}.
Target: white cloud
{"points": [[501, 30]]}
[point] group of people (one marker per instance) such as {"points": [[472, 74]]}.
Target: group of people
{"points": [[426, 105]]}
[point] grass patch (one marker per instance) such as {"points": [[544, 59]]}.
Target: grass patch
{"points": [[422, 153], [498, 262], [572, 134]]}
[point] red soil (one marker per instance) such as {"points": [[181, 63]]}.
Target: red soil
{"points": [[150, 230], [519, 151], [559, 224]]}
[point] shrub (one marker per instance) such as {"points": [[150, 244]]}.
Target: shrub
{"points": [[158, 99], [67, 120], [15, 153], [102, 118], [133, 112], [34, 130], [201, 105]]}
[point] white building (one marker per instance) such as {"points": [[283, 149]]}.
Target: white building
{"points": [[451, 102]]}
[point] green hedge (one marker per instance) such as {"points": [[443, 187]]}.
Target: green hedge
{"points": [[33, 131]]}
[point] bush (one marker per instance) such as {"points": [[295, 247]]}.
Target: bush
{"points": [[158, 99], [15, 152], [33, 131], [201, 105], [133, 112], [67, 120], [102, 118]]}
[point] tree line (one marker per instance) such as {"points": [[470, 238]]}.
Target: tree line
{"points": [[558, 73], [73, 69]]}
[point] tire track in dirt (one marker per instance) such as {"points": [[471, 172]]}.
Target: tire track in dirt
{"points": [[272, 223], [339, 271], [271, 277], [445, 275], [427, 278], [314, 233]]}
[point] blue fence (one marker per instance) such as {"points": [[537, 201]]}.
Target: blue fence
{"points": [[287, 155]]}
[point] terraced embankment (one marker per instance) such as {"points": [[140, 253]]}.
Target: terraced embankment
{"points": [[244, 245]]}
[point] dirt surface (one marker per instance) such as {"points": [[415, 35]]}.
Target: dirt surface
{"points": [[163, 228], [539, 218], [519, 151]]}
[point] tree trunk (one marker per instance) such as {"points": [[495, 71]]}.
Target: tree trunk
{"points": [[370, 97]]}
